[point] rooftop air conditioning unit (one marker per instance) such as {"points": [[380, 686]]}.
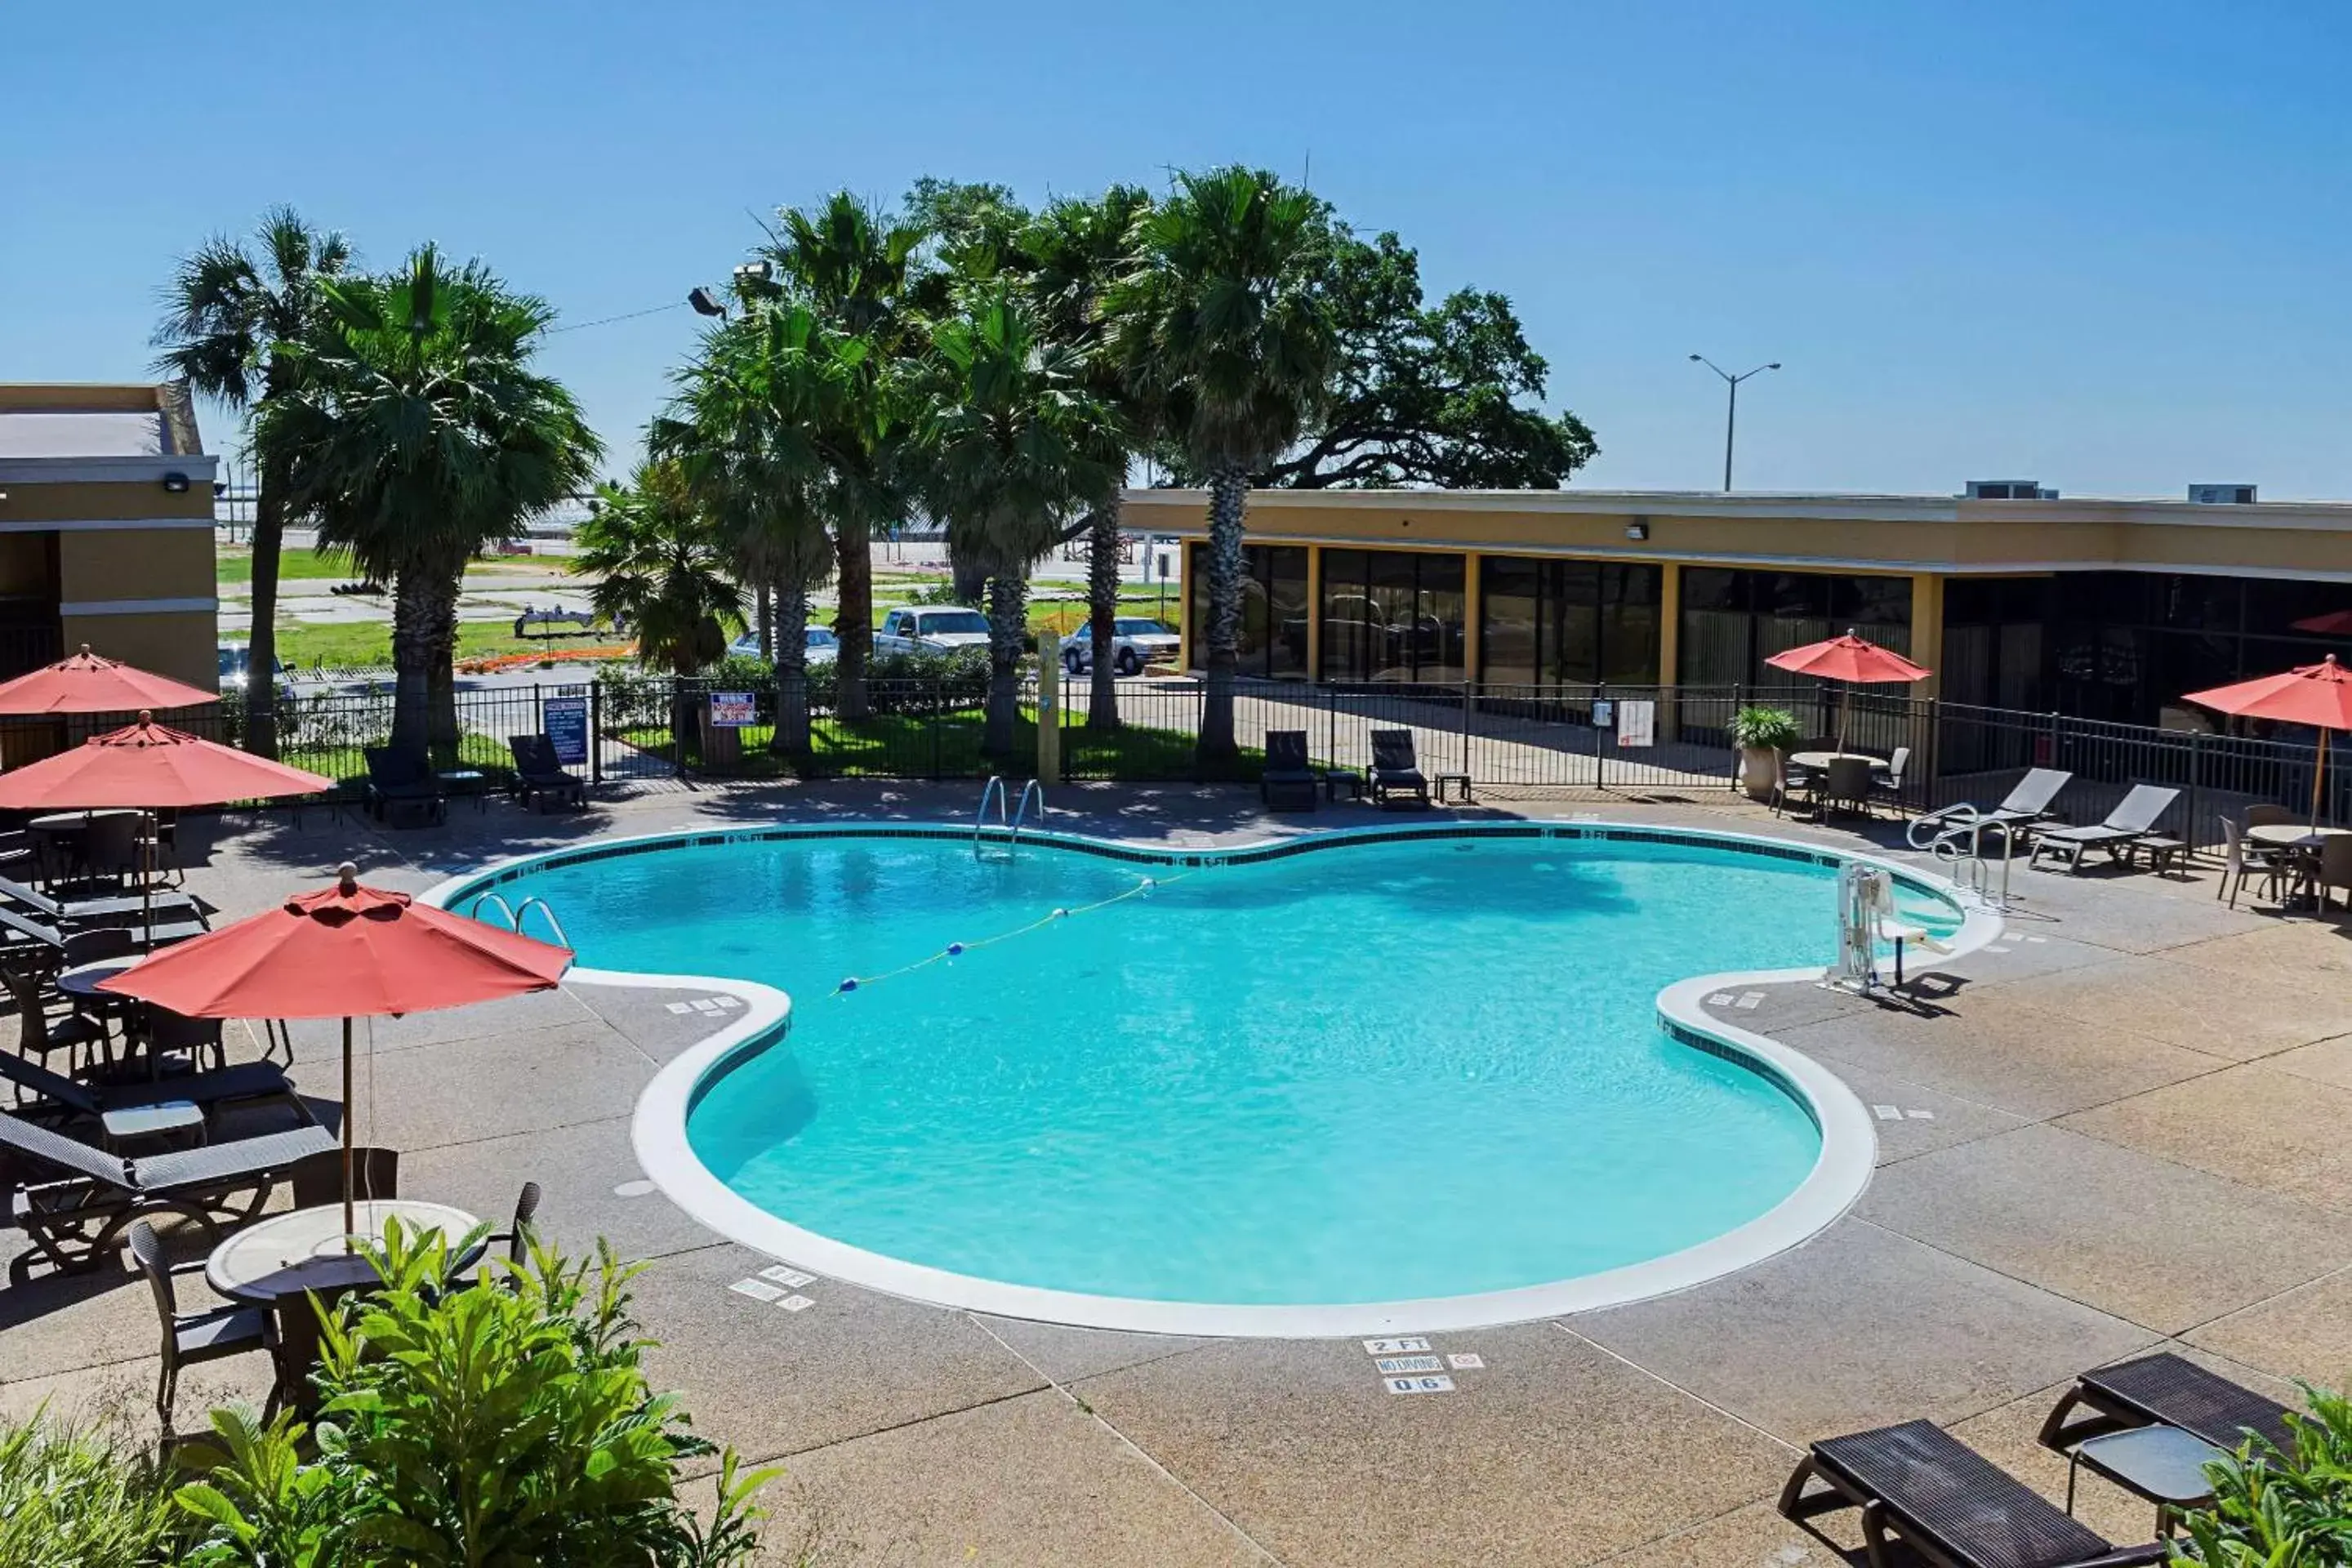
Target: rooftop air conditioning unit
{"points": [[2009, 489], [2221, 495]]}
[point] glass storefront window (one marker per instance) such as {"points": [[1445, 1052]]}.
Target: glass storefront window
{"points": [[1567, 623], [1272, 642], [1733, 621], [1392, 615]]}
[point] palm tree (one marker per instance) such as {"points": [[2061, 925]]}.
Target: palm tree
{"points": [[849, 268], [1224, 324], [1013, 444], [227, 317], [1072, 255], [660, 567], [416, 435], [744, 432]]}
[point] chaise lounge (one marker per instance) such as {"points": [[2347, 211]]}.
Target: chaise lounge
{"points": [[1924, 1495], [2028, 804], [2131, 823], [1289, 781], [539, 774], [1395, 770], [2163, 1390], [90, 1197], [394, 779], [57, 1096]]}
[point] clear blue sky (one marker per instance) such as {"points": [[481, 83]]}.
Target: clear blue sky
{"points": [[2105, 246]]}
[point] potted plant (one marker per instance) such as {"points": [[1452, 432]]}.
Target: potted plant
{"points": [[1762, 735]]}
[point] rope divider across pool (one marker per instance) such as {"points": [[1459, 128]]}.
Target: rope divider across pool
{"points": [[957, 949]]}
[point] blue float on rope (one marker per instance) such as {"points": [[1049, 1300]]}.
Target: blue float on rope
{"points": [[955, 950], [850, 984]]}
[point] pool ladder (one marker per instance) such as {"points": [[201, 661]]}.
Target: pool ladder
{"points": [[514, 916], [1010, 824]]}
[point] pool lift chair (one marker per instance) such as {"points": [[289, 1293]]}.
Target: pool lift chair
{"points": [[1868, 916]]}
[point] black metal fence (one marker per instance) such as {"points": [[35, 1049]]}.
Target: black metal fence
{"points": [[1644, 740]]}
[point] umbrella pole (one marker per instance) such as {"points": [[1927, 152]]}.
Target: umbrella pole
{"points": [[350, 1220], [2318, 777]]}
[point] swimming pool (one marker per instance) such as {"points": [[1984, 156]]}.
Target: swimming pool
{"points": [[1308, 1089]]}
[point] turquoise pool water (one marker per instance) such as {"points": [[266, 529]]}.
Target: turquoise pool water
{"points": [[1364, 1074]]}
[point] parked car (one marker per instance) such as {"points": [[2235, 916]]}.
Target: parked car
{"points": [[924, 629], [820, 646], [1136, 641], [235, 664]]}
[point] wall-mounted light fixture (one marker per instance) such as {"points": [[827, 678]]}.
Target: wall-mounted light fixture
{"points": [[1637, 531], [176, 483]]}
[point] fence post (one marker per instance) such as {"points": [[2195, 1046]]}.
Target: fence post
{"points": [[1049, 708], [1600, 759], [1468, 703], [2196, 757], [596, 731]]}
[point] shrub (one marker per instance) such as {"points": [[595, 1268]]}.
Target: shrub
{"points": [[1765, 728], [70, 1499], [508, 1423], [2274, 1510]]}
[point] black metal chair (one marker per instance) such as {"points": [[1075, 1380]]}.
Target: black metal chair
{"points": [[191, 1338], [1395, 770], [1289, 780], [318, 1179], [517, 1235]]}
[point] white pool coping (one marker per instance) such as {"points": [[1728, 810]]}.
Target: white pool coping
{"points": [[1848, 1155]]}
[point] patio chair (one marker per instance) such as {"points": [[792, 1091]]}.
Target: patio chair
{"points": [[2330, 870], [395, 779], [191, 1338], [74, 1215], [538, 774], [2163, 1390], [41, 1092], [2027, 803], [2132, 819], [318, 1180], [2262, 815], [2240, 860], [1394, 769], [1918, 1487], [1288, 781], [1888, 785], [517, 1235]]}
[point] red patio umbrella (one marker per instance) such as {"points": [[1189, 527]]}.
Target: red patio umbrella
{"points": [[2319, 695], [86, 683], [1852, 659], [2334, 624], [344, 952], [148, 767]]}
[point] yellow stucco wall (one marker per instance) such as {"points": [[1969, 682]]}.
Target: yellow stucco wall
{"points": [[135, 564], [83, 501], [181, 645]]}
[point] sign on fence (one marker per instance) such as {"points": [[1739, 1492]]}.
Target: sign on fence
{"points": [[566, 719], [1637, 724], [731, 710]]}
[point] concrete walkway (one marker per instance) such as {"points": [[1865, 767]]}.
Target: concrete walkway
{"points": [[2121, 1127]]}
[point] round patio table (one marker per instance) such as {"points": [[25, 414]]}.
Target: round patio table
{"points": [[285, 1259], [289, 1254], [1820, 761], [2292, 835], [82, 979]]}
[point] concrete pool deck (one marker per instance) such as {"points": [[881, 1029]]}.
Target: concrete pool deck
{"points": [[2120, 1126]]}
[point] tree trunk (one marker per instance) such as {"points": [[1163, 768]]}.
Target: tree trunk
{"points": [[1102, 612], [764, 621], [415, 624], [791, 737], [261, 649], [967, 581], [1228, 501], [1008, 637], [441, 674], [854, 565]]}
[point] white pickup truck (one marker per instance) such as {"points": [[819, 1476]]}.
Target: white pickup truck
{"points": [[924, 629]]}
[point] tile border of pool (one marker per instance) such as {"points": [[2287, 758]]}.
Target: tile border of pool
{"points": [[659, 1129]]}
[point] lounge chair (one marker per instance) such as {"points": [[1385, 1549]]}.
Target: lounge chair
{"points": [[395, 779], [2165, 1390], [116, 909], [1394, 769], [2028, 804], [2132, 821], [538, 774], [73, 1216], [1288, 779], [1920, 1487], [249, 1083]]}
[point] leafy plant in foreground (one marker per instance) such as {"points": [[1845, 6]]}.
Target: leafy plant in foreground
{"points": [[2275, 1509], [70, 1500], [496, 1424]]}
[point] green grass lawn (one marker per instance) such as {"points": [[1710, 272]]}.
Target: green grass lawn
{"points": [[346, 763], [353, 644], [234, 563], [906, 745]]}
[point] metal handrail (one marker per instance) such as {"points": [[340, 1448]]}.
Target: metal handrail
{"points": [[992, 789], [474, 910], [1033, 789], [546, 909]]}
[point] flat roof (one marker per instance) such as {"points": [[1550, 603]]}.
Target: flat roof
{"points": [[65, 433], [98, 433]]}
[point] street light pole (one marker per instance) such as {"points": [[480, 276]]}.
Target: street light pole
{"points": [[1731, 406]]}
